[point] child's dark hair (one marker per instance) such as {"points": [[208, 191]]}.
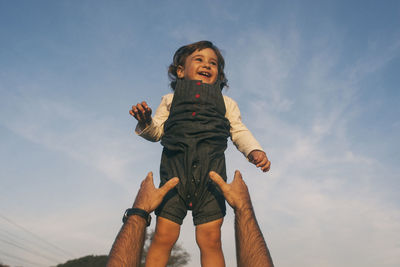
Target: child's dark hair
{"points": [[182, 53]]}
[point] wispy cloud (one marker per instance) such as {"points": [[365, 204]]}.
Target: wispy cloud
{"points": [[329, 199], [76, 132], [321, 198]]}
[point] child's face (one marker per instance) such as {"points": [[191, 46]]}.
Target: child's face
{"points": [[200, 65]]}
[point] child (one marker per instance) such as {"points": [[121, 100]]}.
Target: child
{"points": [[193, 125]]}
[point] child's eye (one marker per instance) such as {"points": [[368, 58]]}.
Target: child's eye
{"points": [[198, 59], [214, 63]]}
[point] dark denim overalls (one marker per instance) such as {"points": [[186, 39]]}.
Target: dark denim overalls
{"points": [[195, 138]]}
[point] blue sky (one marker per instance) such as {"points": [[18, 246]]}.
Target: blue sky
{"points": [[316, 84]]}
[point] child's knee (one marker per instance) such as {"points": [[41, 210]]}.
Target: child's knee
{"points": [[166, 238], [166, 235], [208, 238]]}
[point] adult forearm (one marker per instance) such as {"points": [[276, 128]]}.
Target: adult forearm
{"points": [[128, 246], [251, 249]]}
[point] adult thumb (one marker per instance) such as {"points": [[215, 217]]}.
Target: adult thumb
{"points": [[238, 175], [169, 185], [216, 178]]}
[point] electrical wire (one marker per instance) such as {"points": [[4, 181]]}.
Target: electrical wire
{"points": [[20, 259], [66, 253], [20, 240], [29, 251]]}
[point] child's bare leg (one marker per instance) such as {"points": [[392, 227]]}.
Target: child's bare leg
{"points": [[208, 237], [167, 232]]}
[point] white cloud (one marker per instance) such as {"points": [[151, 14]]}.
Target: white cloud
{"points": [[76, 132], [319, 205]]}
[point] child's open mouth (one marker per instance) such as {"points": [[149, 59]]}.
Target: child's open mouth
{"points": [[206, 74]]}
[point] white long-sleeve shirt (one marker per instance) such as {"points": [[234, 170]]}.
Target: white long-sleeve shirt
{"points": [[241, 137]]}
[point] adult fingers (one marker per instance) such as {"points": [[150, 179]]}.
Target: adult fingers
{"points": [[237, 176], [148, 179], [216, 178], [169, 185]]}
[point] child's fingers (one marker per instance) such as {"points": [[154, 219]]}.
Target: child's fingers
{"points": [[134, 112], [262, 162], [144, 112], [144, 105], [147, 114], [256, 157], [266, 167], [257, 160], [141, 112], [140, 108], [147, 111]]}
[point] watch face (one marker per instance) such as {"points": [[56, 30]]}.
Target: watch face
{"points": [[149, 220], [125, 217]]}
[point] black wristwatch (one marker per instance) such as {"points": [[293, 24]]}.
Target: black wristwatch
{"points": [[135, 211]]}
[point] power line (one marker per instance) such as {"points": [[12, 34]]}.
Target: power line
{"points": [[24, 246], [17, 239], [66, 253], [29, 250], [20, 259]]}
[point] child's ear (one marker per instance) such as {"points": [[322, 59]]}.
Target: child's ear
{"points": [[180, 72]]}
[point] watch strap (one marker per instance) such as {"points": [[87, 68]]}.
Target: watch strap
{"points": [[135, 211]]}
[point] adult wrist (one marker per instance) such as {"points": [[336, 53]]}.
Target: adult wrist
{"points": [[142, 207], [137, 212], [244, 208]]}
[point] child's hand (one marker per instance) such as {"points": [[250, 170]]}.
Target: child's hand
{"points": [[259, 158], [141, 112]]}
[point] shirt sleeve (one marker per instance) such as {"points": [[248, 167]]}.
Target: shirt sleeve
{"points": [[241, 137], [155, 130]]}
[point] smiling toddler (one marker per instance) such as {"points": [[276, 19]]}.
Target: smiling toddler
{"points": [[193, 124]]}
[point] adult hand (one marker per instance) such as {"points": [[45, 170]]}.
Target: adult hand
{"points": [[236, 193], [260, 159], [148, 198], [141, 112]]}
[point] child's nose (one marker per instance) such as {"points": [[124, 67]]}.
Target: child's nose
{"points": [[206, 65]]}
